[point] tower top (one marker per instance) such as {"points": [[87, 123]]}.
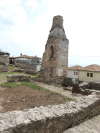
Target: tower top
{"points": [[57, 22]]}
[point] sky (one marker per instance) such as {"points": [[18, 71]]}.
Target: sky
{"points": [[25, 26]]}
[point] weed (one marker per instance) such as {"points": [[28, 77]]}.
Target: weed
{"points": [[10, 84], [59, 86], [35, 77], [34, 86], [71, 99], [78, 122], [47, 98]]}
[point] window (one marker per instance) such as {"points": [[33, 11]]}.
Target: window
{"points": [[87, 74], [91, 74], [76, 73]]}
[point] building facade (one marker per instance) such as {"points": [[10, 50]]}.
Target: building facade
{"points": [[73, 72], [90, 73], [25, 61]]}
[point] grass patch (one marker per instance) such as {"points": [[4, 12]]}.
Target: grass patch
{"points": [[3, 76], [2, 65], [34, 86], [59, 86], [11, 68], [71, 99], [35, 77], [10, 84]]}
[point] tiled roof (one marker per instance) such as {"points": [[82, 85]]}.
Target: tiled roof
{"points": [[26, 56], [92, 67], [77, 67]]}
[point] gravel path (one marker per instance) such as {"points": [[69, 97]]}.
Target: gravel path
{"points": [[59, 90], [89, 126]]}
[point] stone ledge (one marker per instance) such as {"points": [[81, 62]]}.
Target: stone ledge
{"points": [[28, 71], [4, 69], [18, 77], [49, 119]]}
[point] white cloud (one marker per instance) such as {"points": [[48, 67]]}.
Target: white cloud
{"points": [[44, 1], [32, 3], [29, 34], [12, 11]]}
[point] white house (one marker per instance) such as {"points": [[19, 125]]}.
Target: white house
{"points": [[73, 72]]}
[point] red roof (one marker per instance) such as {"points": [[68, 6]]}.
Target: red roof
{"points": [[77, 67], [26, 56]]}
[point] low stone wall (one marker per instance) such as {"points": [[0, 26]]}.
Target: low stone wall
{"points": [[25, 66], [56, 80], [91, 85], [18, 77], [4, 59], [33, 72], [50, 119], [18, 70], [3, 69]]}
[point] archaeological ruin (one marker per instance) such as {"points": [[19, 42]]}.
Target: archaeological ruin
{"points": [[4, 57], [55, 57]]}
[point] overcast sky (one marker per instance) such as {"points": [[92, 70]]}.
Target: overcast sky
{"points": [[25, 26]]}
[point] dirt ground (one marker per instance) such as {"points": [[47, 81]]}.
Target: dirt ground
{"points": [[24, 97]]}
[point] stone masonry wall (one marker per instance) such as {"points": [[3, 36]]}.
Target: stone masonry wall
{"points": [[3, 69], [91, 85], [55, 57], [18, 77], [28, 71], [25, 66], [50, 119], [4, 59]]}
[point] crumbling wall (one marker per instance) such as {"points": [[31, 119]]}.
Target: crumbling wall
{"points": [[50, 119], [91, 85], [25, 66], [18, 77], [4, 69], [4, 59], [28, 71], [55, 57]]}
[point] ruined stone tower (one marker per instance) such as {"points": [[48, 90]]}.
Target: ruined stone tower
{"points": [[55, 57]]}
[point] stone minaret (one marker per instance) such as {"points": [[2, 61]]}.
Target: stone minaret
{"points": [[55, 57]]}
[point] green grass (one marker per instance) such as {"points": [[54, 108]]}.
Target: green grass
{"points": [[2, 65], [69, 88], [35, 77], [3, 75], [34, 86], [59, 86], [11, 68], [10, 84]]}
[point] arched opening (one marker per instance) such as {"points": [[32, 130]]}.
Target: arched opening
{"points": [[52, 52]]}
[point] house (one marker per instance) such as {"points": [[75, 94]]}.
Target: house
{"points": [[28, 61], [90, 73], [73, 72]]}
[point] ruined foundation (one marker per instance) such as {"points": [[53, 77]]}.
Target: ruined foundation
{"points": [[50, 119], [18, 77]]}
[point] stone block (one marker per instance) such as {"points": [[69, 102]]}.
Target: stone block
{"points": [[18, 77]]}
